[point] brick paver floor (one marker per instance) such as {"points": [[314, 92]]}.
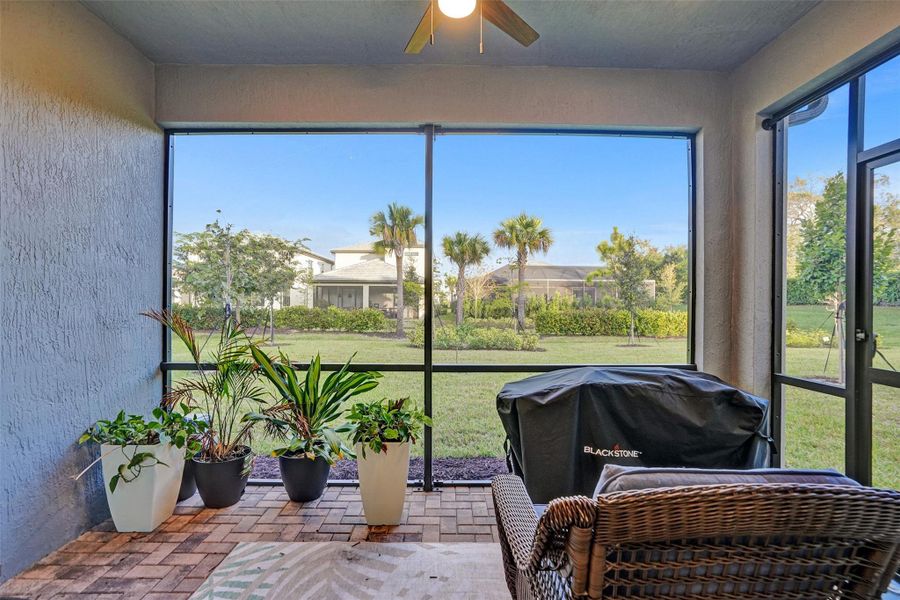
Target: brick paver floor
{"points": [[173, 561]]}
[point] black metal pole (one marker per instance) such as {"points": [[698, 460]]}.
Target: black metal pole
{"points": [[776, 407], [166, 300], [429, 280], [858, 409]]}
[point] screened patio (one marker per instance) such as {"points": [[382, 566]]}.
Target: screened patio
{"points": [[710, 188]]}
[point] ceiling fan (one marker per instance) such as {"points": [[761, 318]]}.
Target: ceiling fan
{"points": [[495, 11]]}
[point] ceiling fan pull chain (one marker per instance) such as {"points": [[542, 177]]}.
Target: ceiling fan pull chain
{"points": [[481, 27]]}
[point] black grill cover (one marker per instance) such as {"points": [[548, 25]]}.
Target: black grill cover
{"points": [[564, 426]]}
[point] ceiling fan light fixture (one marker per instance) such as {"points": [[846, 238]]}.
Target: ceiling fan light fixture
{"points": [[457, 9]]}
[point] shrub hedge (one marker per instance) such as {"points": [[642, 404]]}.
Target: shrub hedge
{"points": [[611, 322], [331, 319], [300, 318], [506, 323], [210, 317], [468, 337]]}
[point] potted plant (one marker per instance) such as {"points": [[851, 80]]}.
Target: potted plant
{"points": [[303, 416], [142, 462], [188, 481], [224, 392], [381, 432]]}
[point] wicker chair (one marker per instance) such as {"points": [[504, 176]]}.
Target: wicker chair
{"points": [[736, 541]]}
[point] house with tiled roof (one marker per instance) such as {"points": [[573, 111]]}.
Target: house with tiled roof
{"points": [[362, 278]]}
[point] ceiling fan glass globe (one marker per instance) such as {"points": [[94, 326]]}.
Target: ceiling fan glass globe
{"points": [[457, 9]]}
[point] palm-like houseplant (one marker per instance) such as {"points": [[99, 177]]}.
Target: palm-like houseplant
{"points": [[396, 231], [526, 235], [304, 415], [223, 394]]}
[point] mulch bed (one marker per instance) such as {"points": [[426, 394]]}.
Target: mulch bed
{"points": [[445, 469]]}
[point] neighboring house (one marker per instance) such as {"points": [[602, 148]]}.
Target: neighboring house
{"points": [[362, 278], [309, 264], [546, 281]]}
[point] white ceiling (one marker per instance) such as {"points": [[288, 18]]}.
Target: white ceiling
{"points": [[668, 34]]}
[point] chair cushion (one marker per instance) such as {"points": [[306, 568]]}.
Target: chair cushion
{"points": [[619, 478], [540, 509]]}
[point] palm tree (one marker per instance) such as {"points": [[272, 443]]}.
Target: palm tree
{"points": [[525, 234], [464, 250], [397, 232]]}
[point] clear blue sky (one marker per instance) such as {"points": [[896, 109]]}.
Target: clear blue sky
{"points": [[325, 187], [818, 148]]}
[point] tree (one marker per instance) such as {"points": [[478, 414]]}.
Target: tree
{"points": [[396, 231], [669, 268], [412, 285], [800, 207], [210, 266], [627, 264], [821, 257], [479, 287], [526, 235], [221, 266], [272, 260], [464, 251], [669, 290]]}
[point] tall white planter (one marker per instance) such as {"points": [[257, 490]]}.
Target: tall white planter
{"points": [[382, 482], [145, 502]]}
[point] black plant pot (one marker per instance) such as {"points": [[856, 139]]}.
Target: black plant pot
{"points": [[220, 483], [304, 478], [188, 483]]}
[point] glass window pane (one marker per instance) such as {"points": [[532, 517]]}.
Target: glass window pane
{"points": [[815, 238], [886, 437], [882, 116], [468, 435], [556, 225], [886, 266], [280, 228], [813, 430]]}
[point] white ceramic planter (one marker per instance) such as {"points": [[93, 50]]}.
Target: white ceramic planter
{"points": [[382, 482], [145, 502]]}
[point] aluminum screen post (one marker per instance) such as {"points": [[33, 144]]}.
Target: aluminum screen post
{"points": [[428, 484]]}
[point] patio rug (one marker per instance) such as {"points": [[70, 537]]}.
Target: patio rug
{"points": [[357, 571]]}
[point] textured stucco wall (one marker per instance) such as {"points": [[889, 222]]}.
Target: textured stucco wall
{"points": [[831, 38], [80, 255], [455, 95]]}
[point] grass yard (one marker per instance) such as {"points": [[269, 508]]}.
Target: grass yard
{"points": [[465, 419], [817, 363]]}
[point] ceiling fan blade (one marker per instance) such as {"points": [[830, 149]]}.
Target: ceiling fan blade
{"points": [[422, 33], [501, 15]]}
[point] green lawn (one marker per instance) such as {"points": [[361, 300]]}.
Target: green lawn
{"points": [[465, 419]]}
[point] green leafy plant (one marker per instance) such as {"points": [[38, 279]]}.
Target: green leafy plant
{"points": [[375, 424], [166, 427], [470, 337], [224, 392], [331, 318], [305, 411]]}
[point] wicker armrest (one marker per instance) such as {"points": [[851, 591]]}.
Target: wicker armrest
{"points": [[516, 519], [530, 544]]}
